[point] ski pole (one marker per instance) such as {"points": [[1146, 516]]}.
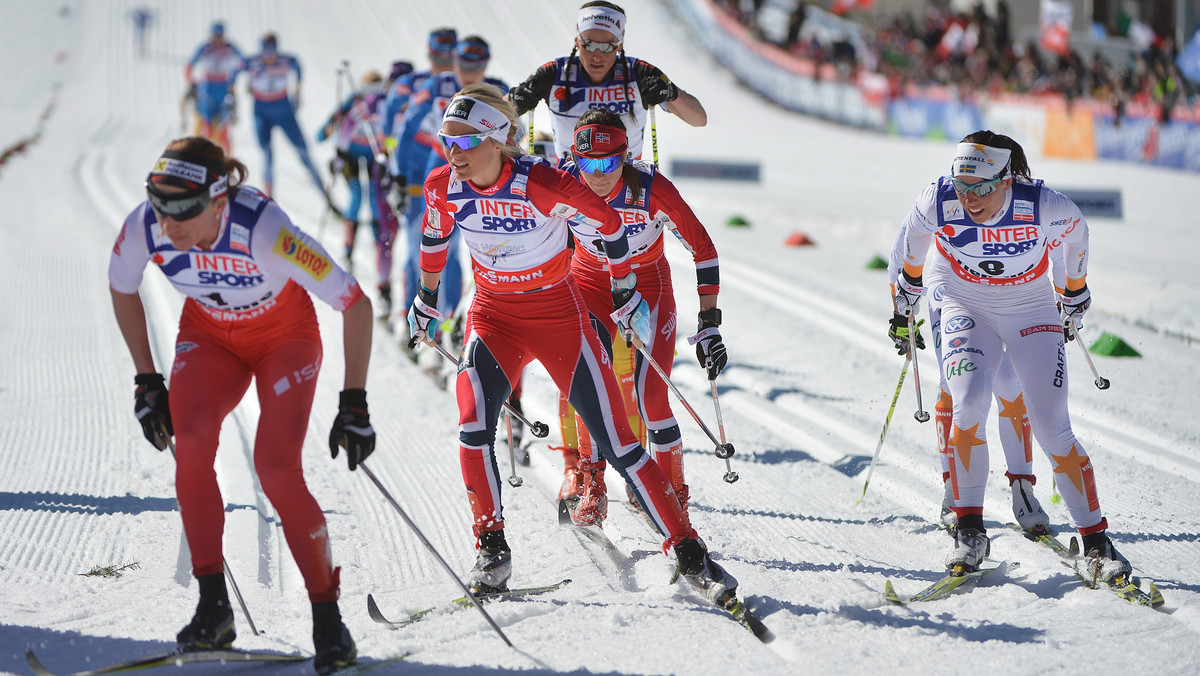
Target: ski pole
{"points": [[428, 545], [730, 475], [653, 135], [530, 132], [513, 479], [1073, 327], [723, 450], [337, 131], [538, 428], [921, 415], [228, 573], [886, 421]]}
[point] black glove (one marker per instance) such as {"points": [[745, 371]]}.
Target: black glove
{"points": [[153, 409], [352, 428], [899, 333], [399, 192], [710, 351], [656, 89]]}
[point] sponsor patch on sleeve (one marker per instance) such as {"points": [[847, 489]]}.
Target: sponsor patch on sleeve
{"points": [[302, 255]]}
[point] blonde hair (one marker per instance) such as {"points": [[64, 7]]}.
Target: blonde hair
{"points": [[198, 145], [490, 94]]}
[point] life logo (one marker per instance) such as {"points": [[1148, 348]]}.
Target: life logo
{"points": [[959, 323], [293, 249]]}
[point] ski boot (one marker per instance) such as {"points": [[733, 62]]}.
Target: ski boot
{"points": [[1026, 508], [971, 547], [332, 642], [212, 626], [572, 485], [1104, 560], [592, 508], [706, 576], [493, 564]]}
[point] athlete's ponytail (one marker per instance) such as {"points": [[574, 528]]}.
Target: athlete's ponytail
{"points": [[1018, 163], [202, 147]]}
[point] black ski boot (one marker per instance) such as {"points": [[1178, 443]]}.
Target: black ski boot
{"points": [[212, 626], [334, 647], [706, 576], [493, 564]]}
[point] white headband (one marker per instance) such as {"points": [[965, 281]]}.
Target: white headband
{"points": [[604, 18], [480, 116], [976, 159]]}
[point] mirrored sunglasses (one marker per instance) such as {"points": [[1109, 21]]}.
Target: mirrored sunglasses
{"points": [[602, 47], [604, 165], [464, 142], [982, 189], [179, 206]]}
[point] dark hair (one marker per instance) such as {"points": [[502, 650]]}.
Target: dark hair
{"points": [[1018, 163], [629, 173], [621, 65], [198, 145]]}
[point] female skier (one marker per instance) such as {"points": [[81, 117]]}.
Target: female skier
{"points": [[246, 272]]}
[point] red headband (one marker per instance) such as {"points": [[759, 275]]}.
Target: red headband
{"points": [[599, 140]]}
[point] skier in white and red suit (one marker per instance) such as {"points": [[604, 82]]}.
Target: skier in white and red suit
{"points": [[514, 212]]}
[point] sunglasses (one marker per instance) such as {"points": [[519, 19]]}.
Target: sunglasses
{"points": [[602, 47], [604, 165], [464, 142], [982, 189], [179, 206]]}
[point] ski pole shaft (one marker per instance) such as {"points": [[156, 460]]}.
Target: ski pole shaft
{"points": [[228, 573], [538, 428], [530, 132], [654, 135], [513, 479], [428, 545], [921, 415], [886, 422], [730, 475], [1101, 383], [723, 450]]}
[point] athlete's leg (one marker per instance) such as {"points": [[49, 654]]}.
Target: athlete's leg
{"points": [[207, 382], [286, 379], [1038, 352], [291, 128], [262, 129]]}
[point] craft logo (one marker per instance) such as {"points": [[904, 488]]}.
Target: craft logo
{"points": [[296, 251], [461, 109]]}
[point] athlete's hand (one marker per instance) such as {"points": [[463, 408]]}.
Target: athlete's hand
{"points": [[352, 428], [657, 89], [630, 311], [908, 294], [151, 404], [1073, 304], [423, 317], [900, 336], [710, 351]]}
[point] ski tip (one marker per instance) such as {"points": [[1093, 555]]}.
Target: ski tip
{"points": [[36, 665], [890, 595]]}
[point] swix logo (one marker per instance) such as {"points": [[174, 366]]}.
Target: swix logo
{"points": [[668, 328], [959, 323]]}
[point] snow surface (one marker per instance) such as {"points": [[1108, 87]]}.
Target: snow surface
{"points": [[809, 382]]}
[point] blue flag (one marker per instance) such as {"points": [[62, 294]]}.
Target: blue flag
{"points": [[1189, 58]]}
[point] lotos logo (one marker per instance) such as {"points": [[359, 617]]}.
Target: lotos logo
{"points": [[958, 342], [311, 261], [959, 323]]}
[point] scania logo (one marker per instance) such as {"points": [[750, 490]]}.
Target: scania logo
{"points": [[959, 323]]}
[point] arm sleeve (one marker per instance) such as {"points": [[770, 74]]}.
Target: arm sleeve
{"points": [[439, 224], [916, 231], [130, 253], [665, 198], [1069, 229], [536, 87], [556, 193], [279, 247]]}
